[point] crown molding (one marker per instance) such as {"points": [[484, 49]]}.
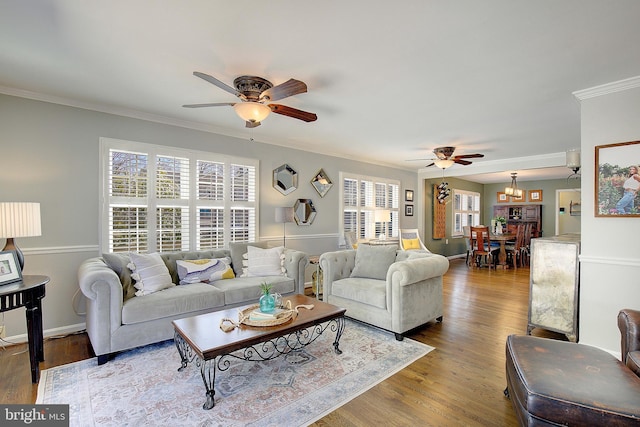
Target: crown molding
{"points": [[605, 89]]}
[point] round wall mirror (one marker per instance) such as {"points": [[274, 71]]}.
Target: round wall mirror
{"points": [[304, 211], [285, 179]]}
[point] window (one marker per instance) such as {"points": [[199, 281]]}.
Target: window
{"points": [[466, 210], [365, 201], [163, 199]]}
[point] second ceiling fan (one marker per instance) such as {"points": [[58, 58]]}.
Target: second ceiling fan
{"points": [[254, 93]]}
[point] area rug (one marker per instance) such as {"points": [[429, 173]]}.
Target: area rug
{"points": [[142, 387]]}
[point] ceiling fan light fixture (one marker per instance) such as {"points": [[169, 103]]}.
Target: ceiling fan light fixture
{"points": [[252, 111], [443, 163]]}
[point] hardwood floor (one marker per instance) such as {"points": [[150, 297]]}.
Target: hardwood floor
{"points": [[460, 383]]}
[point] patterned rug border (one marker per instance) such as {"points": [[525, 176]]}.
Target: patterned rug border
{"points": [[307, 411]]}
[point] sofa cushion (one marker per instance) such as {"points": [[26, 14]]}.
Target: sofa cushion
{"points": [[247, 289], [373, 261], [150, 273], [177, 300], [238, 249], [367, 291], [204, 270], [118, 262], [263, 262]]}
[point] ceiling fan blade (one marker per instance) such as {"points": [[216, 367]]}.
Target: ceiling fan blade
{"points": [[429, 165], [421, 160], [214, 104], [252, 124], [293, 112], [469, 156], [461, 162], [218, 83], [289, 88]]}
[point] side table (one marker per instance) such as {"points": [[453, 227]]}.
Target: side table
{"points": [[316, 276], [28, 293]]}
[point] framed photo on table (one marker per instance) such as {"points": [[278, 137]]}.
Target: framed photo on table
{"points": [[617, 180], [9, 268]]}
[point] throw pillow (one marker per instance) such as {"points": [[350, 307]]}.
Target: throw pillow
{"points": [[203, 270], [238, 250], [411, 243], [264, 262], [373, 261], [118, 263], [150, 273]]}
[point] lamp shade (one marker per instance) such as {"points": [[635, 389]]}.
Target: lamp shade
{"points": [[20, 219], [383, 215], [573, 158], [252, 111], [284, 215]]}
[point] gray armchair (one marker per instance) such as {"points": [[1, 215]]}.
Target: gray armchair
{"points": [[399, 298]]}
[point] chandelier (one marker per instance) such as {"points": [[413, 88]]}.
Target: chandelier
{"points": [[513, 190]]}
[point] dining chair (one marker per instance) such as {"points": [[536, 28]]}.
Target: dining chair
{"points": [[514, 250], [481, 245]]}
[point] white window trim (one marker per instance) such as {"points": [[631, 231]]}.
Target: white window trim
{"points": [[193, 203], [460, 233], [374, 179]]}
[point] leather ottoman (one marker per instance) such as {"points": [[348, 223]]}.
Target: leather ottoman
{"points": [[555, 383]]}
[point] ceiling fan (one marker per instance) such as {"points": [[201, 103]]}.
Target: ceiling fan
{"points": [[445, 158], [254, 93]]}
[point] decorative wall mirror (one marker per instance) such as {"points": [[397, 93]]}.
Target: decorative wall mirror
{"points": [[321, 182], [304, 212], [285, 179]]}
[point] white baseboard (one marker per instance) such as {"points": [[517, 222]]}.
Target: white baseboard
{"points": [[64, 330]]}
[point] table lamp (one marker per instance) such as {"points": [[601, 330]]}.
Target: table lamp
{"points": [[19, 219], [383, 216], [283, 216]]}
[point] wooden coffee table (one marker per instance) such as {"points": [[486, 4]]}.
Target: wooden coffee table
{"points": [[200, 338]]}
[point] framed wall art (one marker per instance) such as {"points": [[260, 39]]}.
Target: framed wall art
{"points": [[408, 210], [502, 197], [9, 268], [535, 196], [617, 180], [408, 195]]}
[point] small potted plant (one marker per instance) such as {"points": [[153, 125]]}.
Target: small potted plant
{"points": [[267, 301]]}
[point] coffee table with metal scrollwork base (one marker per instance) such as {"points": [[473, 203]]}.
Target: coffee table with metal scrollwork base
{"points": [[200, 338]]}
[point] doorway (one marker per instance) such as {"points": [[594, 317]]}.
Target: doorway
{"points": [[568, 203]]}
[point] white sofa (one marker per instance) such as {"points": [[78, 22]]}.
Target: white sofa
{"points": [[116, 320], [394, 290]]}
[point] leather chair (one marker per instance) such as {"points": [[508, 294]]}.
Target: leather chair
{"points": [[629, 325], [553, 383]]}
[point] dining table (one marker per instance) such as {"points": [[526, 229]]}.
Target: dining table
{"points": [[502, 254]]}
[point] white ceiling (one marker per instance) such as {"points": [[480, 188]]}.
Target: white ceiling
{"points": [[389, 82]]}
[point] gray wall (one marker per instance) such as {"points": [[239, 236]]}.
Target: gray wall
{"points": [[609, 260], [50, 155]]}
